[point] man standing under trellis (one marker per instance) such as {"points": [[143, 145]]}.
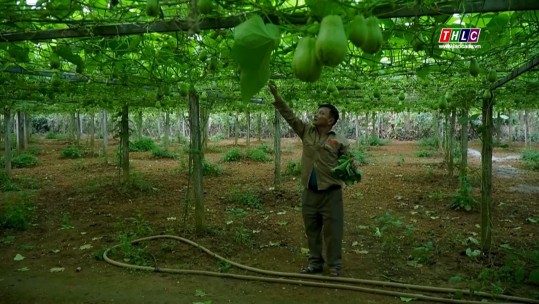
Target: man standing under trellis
{"points": [[322, 198]]}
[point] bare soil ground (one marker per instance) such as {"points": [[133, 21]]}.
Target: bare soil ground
{"points": [[398, 228]]}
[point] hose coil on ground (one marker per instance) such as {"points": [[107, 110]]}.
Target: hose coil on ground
{"points": [[320, 281]]}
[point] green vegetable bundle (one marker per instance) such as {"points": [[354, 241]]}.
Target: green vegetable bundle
{"points": [[345, 170]]}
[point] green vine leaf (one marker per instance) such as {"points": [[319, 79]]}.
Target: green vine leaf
{"points": [[321, 8], [65, 52], [253, 43]]}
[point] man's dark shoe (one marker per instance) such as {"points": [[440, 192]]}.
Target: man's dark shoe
{"points": [[311, 270]]}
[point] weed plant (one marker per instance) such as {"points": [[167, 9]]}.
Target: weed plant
{"points": [[293, 168], [516, 267], [232, 155], [209, 169], [144, 144], [258, 154], [71, 152], [17, 213], [531, 159], [159, 152], [130, 229], [423, 153], [24, 160], [6, 182], [51, 135], [431, 143], [464, 198], [392, 231], [136, 182], [374, 141], [217, 137], [34, 150], [359, 156], [246, 197]]}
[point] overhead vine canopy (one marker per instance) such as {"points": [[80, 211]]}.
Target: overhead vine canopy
{"points": [[98, 44]]}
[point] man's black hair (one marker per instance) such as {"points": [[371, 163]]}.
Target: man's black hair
{"points": [[332, 111]]}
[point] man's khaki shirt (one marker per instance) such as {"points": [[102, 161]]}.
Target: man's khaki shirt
{"points": [[320, 151]]}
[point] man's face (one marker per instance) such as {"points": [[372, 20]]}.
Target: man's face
{"points": [[323, 118]]}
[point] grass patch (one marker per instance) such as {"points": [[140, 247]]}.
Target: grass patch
{"points": [[232, 155], [71, 152], [6, 182], [51, 135], [258, 154], [373, 141], [159, 152], [17, 213], [246, 197], [293, 168], [136, 182], [423, 153], [144, 144], [133, 228], [359, 156], [429, 143], [531, 159], [24, 160], [209, 169], [34, 150], [464, 198], [217, 137]]}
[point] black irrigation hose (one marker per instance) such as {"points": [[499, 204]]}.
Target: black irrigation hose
{"points": [[310, 279]]}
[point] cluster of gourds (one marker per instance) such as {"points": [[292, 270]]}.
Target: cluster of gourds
{"points": [[491, 77], [330, 46]]}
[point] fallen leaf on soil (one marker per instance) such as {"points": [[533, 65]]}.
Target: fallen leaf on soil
{"points": [[57, 269], [361, 251], [87, 246], [404, 299], [200, 293], [23, 269], [18, 257]]}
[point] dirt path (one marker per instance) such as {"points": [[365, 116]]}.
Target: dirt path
{"points": [[501, 167], [81, 211]]}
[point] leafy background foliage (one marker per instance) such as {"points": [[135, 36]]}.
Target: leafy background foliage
{"points": [[153, 69]]}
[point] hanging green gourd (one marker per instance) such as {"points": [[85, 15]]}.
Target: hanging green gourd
{"points": [[54, 61], [152, 8], [377, 93], [492, 76], [332, 42], [205, 6], [374, 39], [486, 95], [474, 67], [305, 63], [358, 31]]}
